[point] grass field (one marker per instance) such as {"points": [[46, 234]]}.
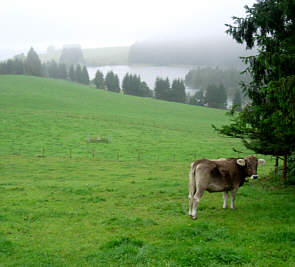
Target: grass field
{"points": [[124, 203]]}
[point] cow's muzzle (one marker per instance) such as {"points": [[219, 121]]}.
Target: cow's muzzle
{"points": [[254, 176]]}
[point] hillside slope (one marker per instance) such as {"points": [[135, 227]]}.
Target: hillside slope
{"points": [[101, 211], [59, 115]]}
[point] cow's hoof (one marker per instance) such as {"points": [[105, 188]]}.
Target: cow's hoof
{"points": [[194, 217]]}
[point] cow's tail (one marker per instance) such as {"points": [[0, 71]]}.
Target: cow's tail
{"points": [[192, 187], [192, 180]]}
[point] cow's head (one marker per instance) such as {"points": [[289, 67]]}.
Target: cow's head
{"points": [[250, 164]]}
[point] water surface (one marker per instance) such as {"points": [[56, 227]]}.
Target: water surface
{"points": [[147, 73]]}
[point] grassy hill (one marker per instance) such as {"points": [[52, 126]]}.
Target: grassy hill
{"points": [[124, 203], [59, 115]]}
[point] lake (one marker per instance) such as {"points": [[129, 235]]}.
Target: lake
{"points": [[147, 73]]}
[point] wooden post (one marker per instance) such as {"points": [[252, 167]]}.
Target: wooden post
{"points": [[70, 153], [285, 168], [93, 154], [277, 165]]}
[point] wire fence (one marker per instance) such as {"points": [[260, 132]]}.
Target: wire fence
{"points": [[118, 155]]}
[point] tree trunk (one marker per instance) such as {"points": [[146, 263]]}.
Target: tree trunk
{"points": [[277, 165], [285, 168]]}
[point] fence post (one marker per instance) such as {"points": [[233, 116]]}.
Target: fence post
{"points": [[70, 153]]}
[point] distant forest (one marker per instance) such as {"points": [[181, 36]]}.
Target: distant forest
{"points": [[93, 56], [201, 78], [216, 87], [223, 53]]}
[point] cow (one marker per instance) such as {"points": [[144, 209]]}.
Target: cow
{"points": [[222, 175]]}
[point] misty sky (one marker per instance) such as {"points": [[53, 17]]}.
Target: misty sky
{"points": [[102, 23]]}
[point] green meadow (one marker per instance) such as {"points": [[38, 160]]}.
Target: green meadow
{"points": [[66, 201]]}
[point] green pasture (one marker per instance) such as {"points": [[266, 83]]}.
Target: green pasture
{"points": [[67, 202], [59, 116]]}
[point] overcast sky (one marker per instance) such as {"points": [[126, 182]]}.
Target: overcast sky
{"points": [[100, 23]]}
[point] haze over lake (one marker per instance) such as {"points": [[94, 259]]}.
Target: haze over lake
{"points": [[147, 73]]}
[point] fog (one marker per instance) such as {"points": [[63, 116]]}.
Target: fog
{"points": [[110, 23]]}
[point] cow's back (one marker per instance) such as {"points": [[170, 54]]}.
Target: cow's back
{"points": [[216, 175]]}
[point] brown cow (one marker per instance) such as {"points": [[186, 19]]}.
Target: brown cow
{"points": [[221, 175]]}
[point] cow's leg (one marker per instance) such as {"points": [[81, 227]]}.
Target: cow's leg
{"points": [[225, 197], [190, 204], [196, 201], [233, 196]]}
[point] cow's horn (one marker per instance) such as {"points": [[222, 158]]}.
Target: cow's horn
{"points": [[261, 161]]}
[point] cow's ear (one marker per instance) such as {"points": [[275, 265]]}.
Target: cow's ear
{"points": [[241, 162], [261, 161]]}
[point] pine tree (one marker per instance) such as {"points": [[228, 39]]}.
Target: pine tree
{"points": [[72, 74], [162, 88], [146, 91], [99, 80], [63, 73], [53, 69], [221, 97], [85, 76], [216, 96], [116, 84], [33, 64], [211, 96], [72, 55], [177, 92], [237, 100], [267, 124], [78, 74], [198, 98], [112, 82], [126, 84], [132, 85]]}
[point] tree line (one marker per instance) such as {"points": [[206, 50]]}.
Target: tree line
{"points": [[31, 65], [210, 80], [133, 85], [213, 96]]}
